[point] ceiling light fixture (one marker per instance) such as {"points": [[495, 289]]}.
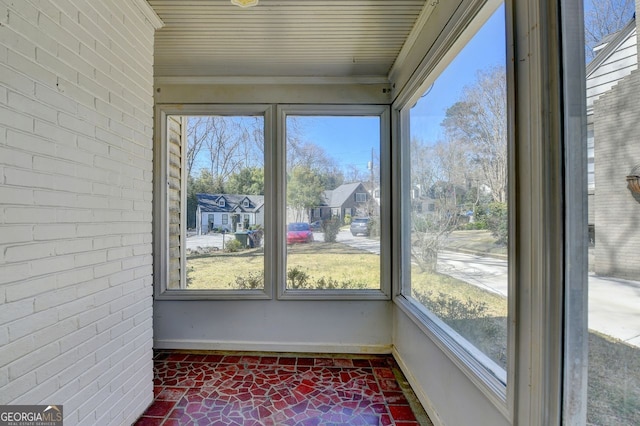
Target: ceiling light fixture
{"points": [[245, 3]]}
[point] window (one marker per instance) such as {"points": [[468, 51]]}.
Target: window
{"points": [[331, 166], [214, 162], [217, 212], [455, 202]]}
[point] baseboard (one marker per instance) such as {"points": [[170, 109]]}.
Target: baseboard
{"points": [[417, 389], [300, 347]]}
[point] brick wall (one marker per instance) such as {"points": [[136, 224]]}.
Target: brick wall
{"points": [[617, 151], [76, 111]]}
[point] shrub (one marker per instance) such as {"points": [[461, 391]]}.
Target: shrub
{"points": [[347, 219], [497, 222], [470, 319], [251, 282], [331, 227], [373, 227], [297, 278], [233, 246]]}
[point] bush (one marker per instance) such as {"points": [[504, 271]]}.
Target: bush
{"points": [[347, 219], [233, 246], [299, 279], [470, 319], [251, 282], [331, 227], [373, 227], [497, 222]]}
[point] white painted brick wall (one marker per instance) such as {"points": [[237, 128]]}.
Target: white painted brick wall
{"points": [[617, 152], [76, 105]]}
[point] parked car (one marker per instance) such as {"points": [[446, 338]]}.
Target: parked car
{"points": [[316, 226], [299, 232], [360, 225]]}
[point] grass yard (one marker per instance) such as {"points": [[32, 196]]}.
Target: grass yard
{"points": [[475, 241], [614, 382], [348, 266], [219, 270], [477, 315]]}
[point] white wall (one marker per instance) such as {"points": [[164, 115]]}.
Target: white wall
{"points": [[338, 326], [444, 390], [75, 207]]}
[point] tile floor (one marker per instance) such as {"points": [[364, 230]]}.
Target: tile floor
{"points": [[243, 389]]}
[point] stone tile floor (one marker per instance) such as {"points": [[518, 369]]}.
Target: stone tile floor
{"points": [[261, 389]]}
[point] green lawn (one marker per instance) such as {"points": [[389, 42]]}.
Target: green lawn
{"points": [[329, 261]]}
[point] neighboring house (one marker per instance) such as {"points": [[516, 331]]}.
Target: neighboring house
{"points": [[230, 212], [616, 58], [421, 202], [613, 89], [348, 199]]}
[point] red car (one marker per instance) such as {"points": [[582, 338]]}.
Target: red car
{"points": [[299, 232]]}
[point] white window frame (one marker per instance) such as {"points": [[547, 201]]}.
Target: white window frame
{"points": [[245, 203], [359, 196], [383, 112], [225, 219], [275, 247], [548, 332], [222, 202], [161, 214], [489, 378]]}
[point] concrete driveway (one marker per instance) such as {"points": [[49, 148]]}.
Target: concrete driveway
{"points": [[614, 304]]}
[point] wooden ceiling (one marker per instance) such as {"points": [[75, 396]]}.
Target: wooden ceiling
{"points": [[283, 38]]}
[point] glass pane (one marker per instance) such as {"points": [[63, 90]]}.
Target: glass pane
{"points": [[224, 168], [458, 193], [333, 210], [613, 114]]}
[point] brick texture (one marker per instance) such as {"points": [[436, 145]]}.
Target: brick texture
{"points": [[76, 104], [617, 151]]}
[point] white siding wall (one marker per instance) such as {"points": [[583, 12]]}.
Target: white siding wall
{"points": [[619, 64], [75, 207]]}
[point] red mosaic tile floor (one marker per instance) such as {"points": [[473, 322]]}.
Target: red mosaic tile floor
{"points": [[262, 390]]}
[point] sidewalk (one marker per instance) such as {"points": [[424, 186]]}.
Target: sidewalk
{"points": [[614, 304], [614, 308]]}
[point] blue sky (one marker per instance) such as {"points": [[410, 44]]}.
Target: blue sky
{"points": [[349, 139]]}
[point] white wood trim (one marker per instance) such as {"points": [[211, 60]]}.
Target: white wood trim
{"points": [[367, 80], [299, 347], [384, 292], [417, 389], [409, 43], [149, 13], [161, 214], [478, 368]]}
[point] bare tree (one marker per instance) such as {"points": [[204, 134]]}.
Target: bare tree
{"points": [[197, 131], [479, 120], [604, 17], [437, 172]]}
